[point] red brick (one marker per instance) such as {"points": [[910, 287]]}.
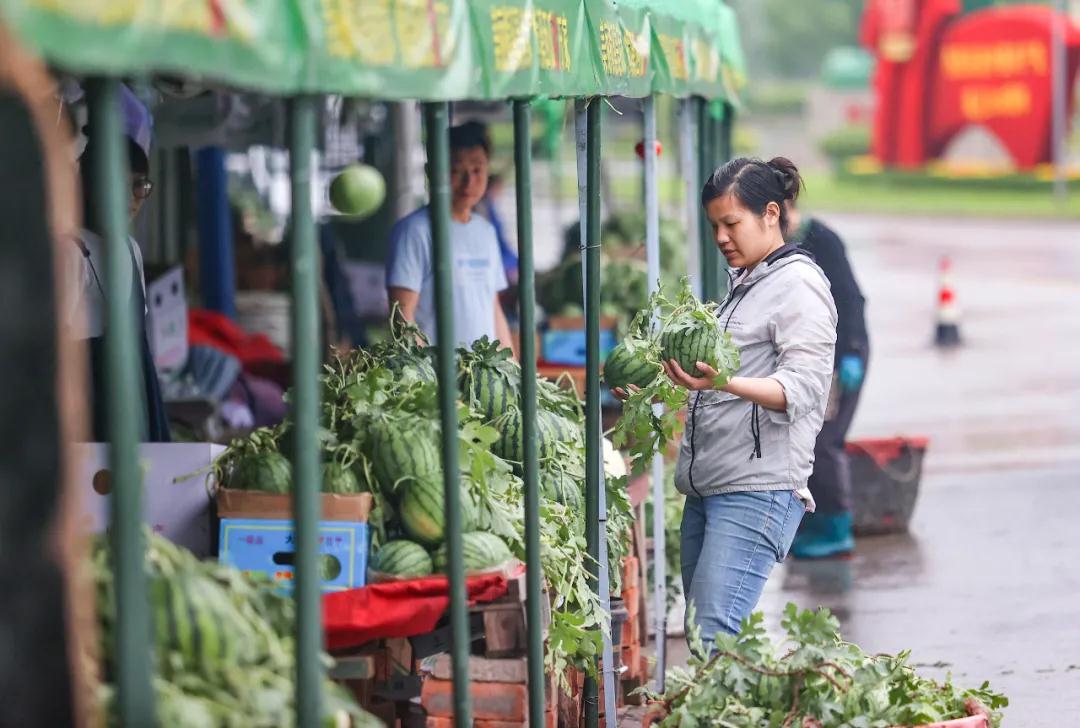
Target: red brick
{"points": [[632, 602], [434, 722], [646, 671], [631, 657], [549, 722], [490, 701], [631, 632], [631, 576]]}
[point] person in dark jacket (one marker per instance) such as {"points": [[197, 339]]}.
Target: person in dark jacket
{"points": [[828, 531]]}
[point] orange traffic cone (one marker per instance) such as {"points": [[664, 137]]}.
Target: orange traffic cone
{"points": [[948, 316]]}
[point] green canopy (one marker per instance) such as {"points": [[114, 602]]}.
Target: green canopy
{"points": [[399, 49]]}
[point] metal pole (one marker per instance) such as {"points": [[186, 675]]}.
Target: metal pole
{"points": [[652, 257], [1060, 92], [593, 460], [217, 261], [437, 120], [527, 318], [688, 160], [110, 174], [305, 358], [707, 151], [726, 151]]}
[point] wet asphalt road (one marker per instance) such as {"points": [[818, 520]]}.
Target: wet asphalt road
{"points": [[987, 583]]}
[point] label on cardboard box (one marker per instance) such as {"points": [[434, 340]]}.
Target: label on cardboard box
{"points": [[269, 547]]}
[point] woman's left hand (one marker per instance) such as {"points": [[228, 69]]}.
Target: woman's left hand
{"points": [[680, 377]]}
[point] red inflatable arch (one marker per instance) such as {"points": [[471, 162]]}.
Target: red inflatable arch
{"points": [[940, 72]]}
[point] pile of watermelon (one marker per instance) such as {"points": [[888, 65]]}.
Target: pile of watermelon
{"points": [[380, 433], [222, 645]]}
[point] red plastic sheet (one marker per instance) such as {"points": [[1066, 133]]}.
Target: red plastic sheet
{"points": [[209, 328], [397, 609]]}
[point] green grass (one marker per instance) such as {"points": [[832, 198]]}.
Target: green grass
{"points": [[828, 193]]}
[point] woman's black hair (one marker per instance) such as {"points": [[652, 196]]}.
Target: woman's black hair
{"points": [[756, 183], [138, 164]]}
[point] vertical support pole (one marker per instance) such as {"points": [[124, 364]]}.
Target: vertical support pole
{"points": [[725, 151], [217, 264], [591, 266], [169, 221], [706, 160], [110, 175], [1060, 96], [527, 318], [652, 258], [306, 360], [437, 121], [691, 169]]}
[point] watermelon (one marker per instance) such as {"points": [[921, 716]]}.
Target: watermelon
{"points": [[418, 364], [551, 430], [358, 190], [339, 479], [564, 486], [489, 378], [627, 365], [402, 558], [267, 471], [423, 507], [491, 390], [688, 340], [422, 510], [404, 448], [480, 551]]}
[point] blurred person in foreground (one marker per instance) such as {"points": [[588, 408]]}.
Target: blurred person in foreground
{"points": [[828, 531], [84, 272], [478, 273]]}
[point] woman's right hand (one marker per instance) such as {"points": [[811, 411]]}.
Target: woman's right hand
{"points": [[622, 395]]}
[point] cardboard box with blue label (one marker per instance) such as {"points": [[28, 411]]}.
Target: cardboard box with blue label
{"points": [[269, 547]]}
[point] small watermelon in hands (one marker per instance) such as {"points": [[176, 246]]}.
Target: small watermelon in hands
{"points": [[358, 190]]}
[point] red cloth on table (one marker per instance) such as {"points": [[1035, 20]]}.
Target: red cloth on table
{"points": [[210, 328], [397, 609]]}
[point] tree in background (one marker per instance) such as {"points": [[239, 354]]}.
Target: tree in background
{"points": [[790, 43]]}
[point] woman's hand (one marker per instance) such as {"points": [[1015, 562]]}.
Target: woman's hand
{"points": [[680, 377], [622, 395]]}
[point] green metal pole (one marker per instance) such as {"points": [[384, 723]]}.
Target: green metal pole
{"points": [[591, 263], [527, 317], [437, 120], [725, 152], [305, 357], [710, 256], [110, 175]]}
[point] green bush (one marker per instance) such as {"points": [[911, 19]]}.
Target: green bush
{"points": [[776, 99], [848, 141]]}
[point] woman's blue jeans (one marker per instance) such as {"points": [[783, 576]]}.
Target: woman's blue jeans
{"points": [[730, 543]]}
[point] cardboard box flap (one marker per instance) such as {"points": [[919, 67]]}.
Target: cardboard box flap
{"points": [[258, 504]]}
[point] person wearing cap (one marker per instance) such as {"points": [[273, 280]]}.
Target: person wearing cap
{"points": [[478, 272], [86, 317], [828, 531]]}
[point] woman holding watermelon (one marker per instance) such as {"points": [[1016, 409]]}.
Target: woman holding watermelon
{"points": [[748, 448]]}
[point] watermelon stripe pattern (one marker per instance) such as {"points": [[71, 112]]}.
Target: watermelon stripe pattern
{"points": [[623, 367], [551, 430], [402, 451], [480, 551], [422, 511], [689, 346], [402, 558]]}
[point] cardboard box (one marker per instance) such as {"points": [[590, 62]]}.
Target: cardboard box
{"points": [[166, 302], [278, 506], [176, 490], [269, 547]]}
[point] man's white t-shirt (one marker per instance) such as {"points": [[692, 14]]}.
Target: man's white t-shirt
{"points": [[478, 273], [86, 312]]}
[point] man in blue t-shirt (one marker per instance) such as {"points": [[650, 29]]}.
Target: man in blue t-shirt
{"points": [[477, 262]]}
